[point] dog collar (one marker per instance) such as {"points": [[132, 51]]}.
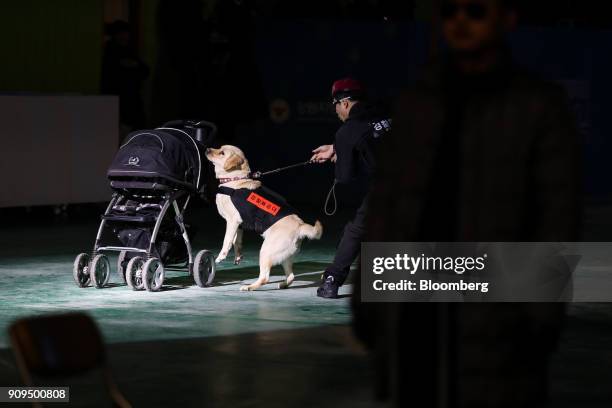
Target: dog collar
{"points": [[228, 179]]}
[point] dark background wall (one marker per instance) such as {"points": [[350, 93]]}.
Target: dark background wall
{"points": [[389, 56], [51, 46], [262, 70]]}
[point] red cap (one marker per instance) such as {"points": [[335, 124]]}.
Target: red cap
{"points": [[347, 86]]}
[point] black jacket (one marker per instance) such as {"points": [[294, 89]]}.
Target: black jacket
{"points": [[259, 208], [355, 144]]}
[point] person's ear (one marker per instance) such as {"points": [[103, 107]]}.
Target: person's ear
{"points": [[233, 162]]}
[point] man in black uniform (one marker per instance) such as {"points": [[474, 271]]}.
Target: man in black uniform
{"points": [[353, 153]]}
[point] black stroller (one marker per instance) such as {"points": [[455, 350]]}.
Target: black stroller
{"points": [[153, 173]]}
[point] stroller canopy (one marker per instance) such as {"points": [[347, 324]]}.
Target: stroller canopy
{"points": [[163, 156]]}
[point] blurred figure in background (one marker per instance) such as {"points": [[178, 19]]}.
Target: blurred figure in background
{"points": [[123, 73], [234, 69], [481, 151], [206, 60], [179, 87]]}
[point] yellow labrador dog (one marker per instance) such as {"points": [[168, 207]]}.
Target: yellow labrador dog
{"points": [[242, 201]]}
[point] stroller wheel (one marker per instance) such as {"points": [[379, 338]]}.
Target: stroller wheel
{"points": [[99, 271], [80, 270], [133, 273], [122, 265], [153, 275], [204, 268]]}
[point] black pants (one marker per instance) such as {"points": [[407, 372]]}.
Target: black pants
{"points": [[350, 245]]}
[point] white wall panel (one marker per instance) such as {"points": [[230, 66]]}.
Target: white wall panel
{"points": [[56, 149]]}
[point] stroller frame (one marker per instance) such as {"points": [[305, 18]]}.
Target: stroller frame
{"points": [[145, 270], [169, 200], [165, 193]]}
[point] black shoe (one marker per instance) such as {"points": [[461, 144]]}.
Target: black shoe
{"points": [[328, 289]]}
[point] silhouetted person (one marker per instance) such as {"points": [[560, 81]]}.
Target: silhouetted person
{"points": [[234, 71], [123, 74], [182, 75], [204, 65], [481, 151]]}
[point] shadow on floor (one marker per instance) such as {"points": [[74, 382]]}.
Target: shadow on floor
{"points": [[267, 369]]}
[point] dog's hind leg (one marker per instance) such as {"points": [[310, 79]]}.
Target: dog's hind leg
{"points": [[289, 277], [264, 275], [238, 247], [265, 264]]}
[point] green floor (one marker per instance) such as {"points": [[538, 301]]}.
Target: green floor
{"points": [[36, 278], [219, 347]]}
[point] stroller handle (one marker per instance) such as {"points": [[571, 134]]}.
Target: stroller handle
{"points": [[198, 125]]}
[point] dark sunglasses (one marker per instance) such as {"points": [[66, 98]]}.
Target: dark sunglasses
{"points": [[474, 11]]}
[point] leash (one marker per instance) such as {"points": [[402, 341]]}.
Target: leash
{"points": [[332, 193], [259, 174]]}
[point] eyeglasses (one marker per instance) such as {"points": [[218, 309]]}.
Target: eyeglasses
{"points": [[474, 11]]}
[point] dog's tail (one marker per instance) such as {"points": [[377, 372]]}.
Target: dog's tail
{"points": [[311, 231]]}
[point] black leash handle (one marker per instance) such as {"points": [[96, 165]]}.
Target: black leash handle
{"points": [[259, 174]]}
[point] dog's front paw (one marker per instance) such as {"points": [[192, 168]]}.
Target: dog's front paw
{"points": [[245, 288]]}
